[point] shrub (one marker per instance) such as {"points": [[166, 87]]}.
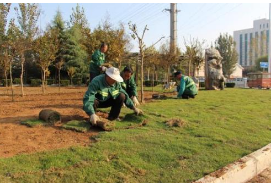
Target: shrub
{"points": [[50, 81], [230, 85], [4, 82], [202, 84], [77, 81], [149, 83], [17, 81], [35, 82], [64, 82]]}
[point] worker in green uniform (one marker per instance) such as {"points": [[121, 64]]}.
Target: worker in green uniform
{"points": [[187, 88], [129, 84], [97, 60], [105, 91]]}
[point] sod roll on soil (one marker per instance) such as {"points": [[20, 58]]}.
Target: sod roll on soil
{"points": [[105, 124], [49, 116]]}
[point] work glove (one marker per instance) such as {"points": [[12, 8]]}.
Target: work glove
{"points": [[93, 119], [138, 111], [103, 68], [135, 101]]}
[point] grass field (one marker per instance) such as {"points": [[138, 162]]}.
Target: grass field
{"points": [[219, 128]]}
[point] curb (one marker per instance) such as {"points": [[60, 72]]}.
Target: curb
{"points": [[241, 170]]}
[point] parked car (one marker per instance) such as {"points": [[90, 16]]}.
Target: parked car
{"points": [[239, 82]]}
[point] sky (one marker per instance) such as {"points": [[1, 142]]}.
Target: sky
{"points": [[204, 21]]}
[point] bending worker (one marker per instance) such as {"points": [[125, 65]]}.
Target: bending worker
{"points": [[129, 84], [97, 60], [105, 91], [187, 88]]}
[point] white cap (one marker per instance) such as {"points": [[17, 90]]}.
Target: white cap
{"points": [[114, 73]]}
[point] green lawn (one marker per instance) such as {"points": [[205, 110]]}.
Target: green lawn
{"points": [[220, 127]]}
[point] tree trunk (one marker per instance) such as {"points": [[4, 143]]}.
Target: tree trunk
{"points": [[153, 79], [58, 80], [11, 84], [168, 73], [189, 67], [148, 73], [22, 74], [194, 70], [142, 75], [137, 71], [43, 81], [6, 78]]}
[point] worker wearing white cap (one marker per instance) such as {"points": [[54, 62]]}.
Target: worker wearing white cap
{"points": [[105, 91]]}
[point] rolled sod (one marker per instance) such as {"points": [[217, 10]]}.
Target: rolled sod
{"points": [[49, 116], [105, 124]]}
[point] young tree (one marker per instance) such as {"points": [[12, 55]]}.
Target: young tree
{"points": [[193, 56], [4, 56], [116, 38], [151, 63], [226, 47], [27, 15], [168, 58], [141, 46], [46, 49], [71, 71], [58, 66], [13, 42], [5, 64]]}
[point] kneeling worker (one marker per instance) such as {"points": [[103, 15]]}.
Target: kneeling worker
{"points": [[105, 91], [187, 88], [129, 84]]}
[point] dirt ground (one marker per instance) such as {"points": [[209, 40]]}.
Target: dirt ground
{"points": [[18, 139]]}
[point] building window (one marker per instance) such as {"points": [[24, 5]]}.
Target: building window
{"points": [[260, 26], [256, 45], [267, 25], [241, 49], [263, 25], [262, 43], [251, 48], [267, 41], [246, 49]]}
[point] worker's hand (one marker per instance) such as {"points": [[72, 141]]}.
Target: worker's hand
{"points": [[138, 111], [103, 68], [93, 119], [135, 101]]}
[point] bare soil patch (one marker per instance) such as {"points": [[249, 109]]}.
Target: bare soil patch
{"points": [[19, 139]]}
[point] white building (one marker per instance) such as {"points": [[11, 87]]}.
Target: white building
{"points": [[237, 72], [252, 43]]}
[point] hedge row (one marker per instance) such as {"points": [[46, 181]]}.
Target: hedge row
{"points": [[149, 83], [230, 85]]}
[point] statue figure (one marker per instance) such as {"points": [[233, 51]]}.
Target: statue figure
{"points": [[214, 79]]}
